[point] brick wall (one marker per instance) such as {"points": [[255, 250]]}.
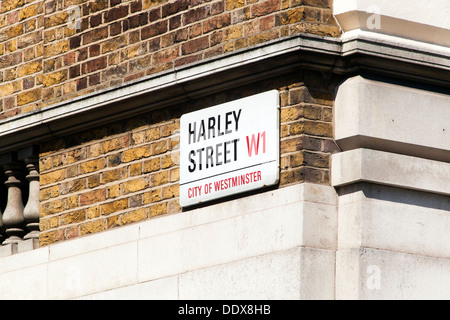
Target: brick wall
{"points": [[129, 171], [46, 55], [21, 56]]}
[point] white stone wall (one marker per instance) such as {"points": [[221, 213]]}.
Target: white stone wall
{"points": [[393, 244], [275, 245], [393, 180], [393, 174]]}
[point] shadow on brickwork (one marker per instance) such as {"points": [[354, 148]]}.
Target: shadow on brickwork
{"points": [[319, 86]]}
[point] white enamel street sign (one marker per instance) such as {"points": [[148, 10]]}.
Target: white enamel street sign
{"points": [[229, 148]]}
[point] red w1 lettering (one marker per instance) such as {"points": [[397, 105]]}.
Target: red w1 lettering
{"points": [[254, 143]]}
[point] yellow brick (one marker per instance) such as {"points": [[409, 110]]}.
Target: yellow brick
{"points": [[29, 96], [113, 44], [71, 202], [159, 147], [290, 145], [290, 114], [73, 186], [45, 163], [45, 224], [52, 177], [151, 165], [45, 194], [134, 51], [296, 159], [169, 129], [30, 11], [29, 68], [8, 5], [46, 238], [296, 128], [158, 209], [136, 169], [69, 87], [51, 207], [56, 19], [292, 176], [39, 48], [113, 221], [138, 137], [233, 4], [135, 185], [73, 156], [114, 206], [54, 49], [93, 226], [56, 160], [168, 161], [10, 88], [159, 178], [233, 32], [136, 153], [134, 216], [322, 129], [93, 212], [284, 130], [11, 46], [291, 16], [151, 3], [30, 107], [93, 165], [263, 37], [95, 150], [93, 197], [152, 196], [94, 180], [173, 206], [95, 6], [54, 78], [12, 32], [29, 54], [114, 175], [284, 162], [175, 175], [174, 143], [152, 134], [114, 191], [171, 191], [116, 144], [11, 74], [72, 217]]}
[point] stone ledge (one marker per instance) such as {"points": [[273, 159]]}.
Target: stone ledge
{"points": [[365, 165], [372, 274], [20, 247], [394, 219], [391, 117]]}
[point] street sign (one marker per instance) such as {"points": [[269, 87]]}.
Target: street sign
{"points": [[229, 148]]}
